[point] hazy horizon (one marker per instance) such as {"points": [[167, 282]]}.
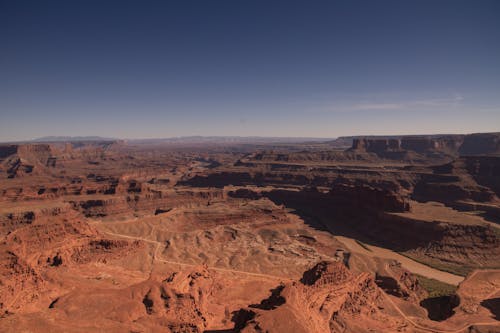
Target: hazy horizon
{"points": [[141, 70], [62, 138]]}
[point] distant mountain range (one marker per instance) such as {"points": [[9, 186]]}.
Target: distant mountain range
{"points": [[178, 140], [183, 139], [226, 140], [71, 139]]}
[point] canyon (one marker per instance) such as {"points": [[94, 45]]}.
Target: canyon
{"points": [[357, 234]]}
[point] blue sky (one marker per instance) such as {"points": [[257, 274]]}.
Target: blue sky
{"points": [[142, 69]]}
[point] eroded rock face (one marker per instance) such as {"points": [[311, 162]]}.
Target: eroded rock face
{"points": [[326, 273], [178, 302], [468, 183], [401, 283], [12, 221], [102, 250], [328, 299], [20, 283], [454, 244]]}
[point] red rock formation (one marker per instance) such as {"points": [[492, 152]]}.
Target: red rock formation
{"points": [[20, 283], [328, 299]]}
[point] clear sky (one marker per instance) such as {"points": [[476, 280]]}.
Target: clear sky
{"points": [[142, 69]]}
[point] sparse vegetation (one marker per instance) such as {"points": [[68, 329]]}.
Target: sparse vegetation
{"points": [[461, 270], [436, 288]]}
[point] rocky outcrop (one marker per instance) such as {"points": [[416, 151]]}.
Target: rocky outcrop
{"points": [[26, 159], [101, 251], [485, 170], [399, 282], [20, 283], [430, 145], [461, 245], [406, 148], [12, 221], [329, 298], [369, 197], [19, 218], [176, 302], [326, 273], [466, 179], [7, 150], [33, 158], [481, 144], [355, 201], [147, 201]]}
